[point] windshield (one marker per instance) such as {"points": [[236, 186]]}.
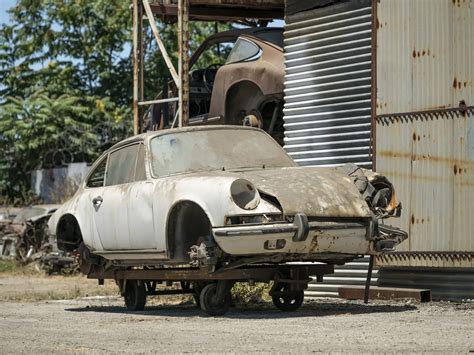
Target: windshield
{"points": [[27, 213], [215, 149]]}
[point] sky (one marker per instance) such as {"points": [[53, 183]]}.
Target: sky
{"points": [[4, 6]]}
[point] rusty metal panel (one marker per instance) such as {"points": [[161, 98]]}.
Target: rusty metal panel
{"points": [[328, 84], [424, 54], [424, 129], [385, 293], [429, 157]]}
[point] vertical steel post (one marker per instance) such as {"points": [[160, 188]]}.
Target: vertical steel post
{"points": [[373, 113], [135, 67], [369, 279], [141, 70], [183, 65]]}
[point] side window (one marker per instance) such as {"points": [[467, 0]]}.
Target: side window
{"points": [[243, 50], [121, 168], [140, 173], [216, 53], [97, 177]]}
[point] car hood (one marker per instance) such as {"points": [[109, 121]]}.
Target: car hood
{"points": [[318, 192]]}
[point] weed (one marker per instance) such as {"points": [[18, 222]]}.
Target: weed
{"points": [[243, 293]]}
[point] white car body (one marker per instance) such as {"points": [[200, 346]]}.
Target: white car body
{"points": [[155, 218]]}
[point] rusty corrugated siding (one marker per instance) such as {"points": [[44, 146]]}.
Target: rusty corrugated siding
{"points": [[430, 159], [425, 63], [424, 54]]}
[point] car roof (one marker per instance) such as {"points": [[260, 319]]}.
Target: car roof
{"points": [[246, 31], [149, 135]]}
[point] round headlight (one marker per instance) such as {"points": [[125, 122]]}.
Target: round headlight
{"points": [[244, 194]]}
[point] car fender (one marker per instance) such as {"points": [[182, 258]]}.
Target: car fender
{"points": [[85, 224], [211, 193]]}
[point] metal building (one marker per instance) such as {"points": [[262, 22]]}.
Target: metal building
{"points": [[390, 83], [328, 62]]}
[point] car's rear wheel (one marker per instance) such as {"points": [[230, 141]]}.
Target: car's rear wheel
{"points": [[210, 302], [285, 299], [135, 295]]}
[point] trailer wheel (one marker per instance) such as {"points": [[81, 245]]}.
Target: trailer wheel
{"points": [[135, 295], [197, 288], [210, 304], [286, 300]]}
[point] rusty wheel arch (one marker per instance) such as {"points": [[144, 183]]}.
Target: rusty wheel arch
{"points": [[243, 95], [68, 234], [187, 223]]}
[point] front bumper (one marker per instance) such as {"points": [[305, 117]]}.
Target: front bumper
{"points": [[357, 236]]}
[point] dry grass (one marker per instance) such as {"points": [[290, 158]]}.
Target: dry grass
{"points": [[27, 289], [29, 283]]}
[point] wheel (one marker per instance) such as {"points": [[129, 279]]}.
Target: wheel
{"points": [[209, 303], [135, 295], [286, 300], [197, 288]]}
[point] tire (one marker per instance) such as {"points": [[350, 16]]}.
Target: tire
{"points": [[135, 295], [209, 302], [286, 300], [197, 288]]}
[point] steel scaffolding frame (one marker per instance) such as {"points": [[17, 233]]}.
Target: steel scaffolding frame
{"points": [[204, 10]]}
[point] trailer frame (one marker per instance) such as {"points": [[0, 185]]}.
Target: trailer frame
{"points": [[211, 290]]}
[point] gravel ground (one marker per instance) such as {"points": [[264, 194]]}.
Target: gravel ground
{"points": [[101, 325]]}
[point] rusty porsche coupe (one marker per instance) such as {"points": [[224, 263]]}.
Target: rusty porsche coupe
{"points": [[221, 196], [243, 83]]}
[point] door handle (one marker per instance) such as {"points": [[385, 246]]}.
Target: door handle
{"points": [[97, 201]]}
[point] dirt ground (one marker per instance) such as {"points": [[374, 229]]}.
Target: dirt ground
{"points": [[100, 324]]}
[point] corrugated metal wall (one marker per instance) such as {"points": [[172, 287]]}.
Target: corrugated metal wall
{"points": [[424, 138], [424, 54], [328, 85], [353, 273], [429, 157]]}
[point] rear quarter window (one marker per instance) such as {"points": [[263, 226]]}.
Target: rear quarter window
{"points": [[243, 50]]}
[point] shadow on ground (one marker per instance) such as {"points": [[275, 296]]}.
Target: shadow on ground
{"points": [[260, 311]]}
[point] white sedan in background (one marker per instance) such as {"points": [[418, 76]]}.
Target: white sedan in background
{"points": [[221, 196]]}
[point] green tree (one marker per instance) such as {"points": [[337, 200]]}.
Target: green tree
{"points": [[65, 67], [41, 131]]}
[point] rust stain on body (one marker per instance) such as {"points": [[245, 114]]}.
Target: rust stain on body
{"points": [[314, 244]]}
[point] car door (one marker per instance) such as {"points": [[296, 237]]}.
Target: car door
{"points": [[88, 203], [122, 219], [140, 207]]}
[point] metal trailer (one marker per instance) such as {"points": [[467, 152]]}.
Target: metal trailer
{"points": [[211, 290]]}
